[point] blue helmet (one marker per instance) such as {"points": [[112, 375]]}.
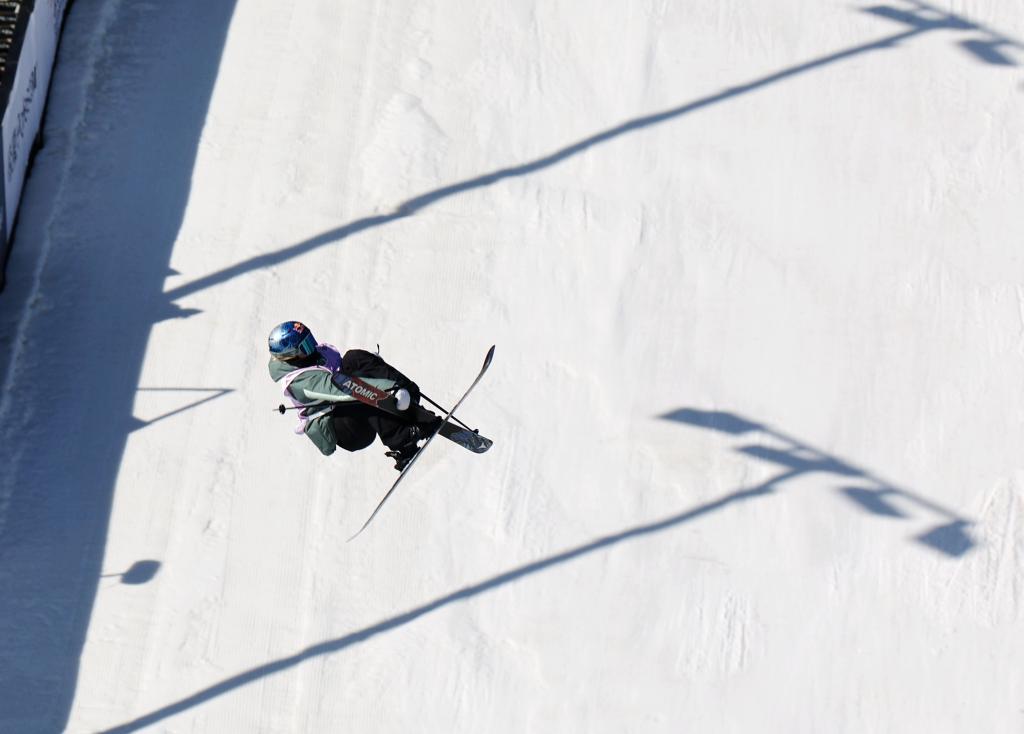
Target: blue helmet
{"points": [[291, 340]]}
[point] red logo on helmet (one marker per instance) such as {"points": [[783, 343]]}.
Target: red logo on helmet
{"points": [[298, 327]]}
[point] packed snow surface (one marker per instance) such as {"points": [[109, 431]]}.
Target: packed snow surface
{"points": [[755, 274]]}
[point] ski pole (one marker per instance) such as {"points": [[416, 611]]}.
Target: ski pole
{"points": [[443, 410], [281, 409]]}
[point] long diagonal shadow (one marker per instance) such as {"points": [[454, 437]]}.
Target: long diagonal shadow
{"points": [[216, 393], [922, 19], [354, 638]]}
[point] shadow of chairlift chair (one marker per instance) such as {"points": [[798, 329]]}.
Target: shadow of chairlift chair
{"points": [[140, 572]]}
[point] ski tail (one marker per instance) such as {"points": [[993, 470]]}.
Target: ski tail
{"points": [[467, 439]]}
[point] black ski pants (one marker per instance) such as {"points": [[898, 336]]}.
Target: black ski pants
{"points": [[357, 424]]}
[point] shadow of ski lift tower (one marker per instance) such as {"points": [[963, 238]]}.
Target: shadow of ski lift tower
{"points": [[950, 537], [924, 17]]}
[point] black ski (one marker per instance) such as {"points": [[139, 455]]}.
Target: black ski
{"points": [[447, 417]]}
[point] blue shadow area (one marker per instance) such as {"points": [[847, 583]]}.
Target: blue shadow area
{"points": [[117, 217]]}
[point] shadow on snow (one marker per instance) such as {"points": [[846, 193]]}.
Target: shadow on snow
{"points": [[127, 165], [464, 594], [984, 44], [797, 459], [144, 144], [881, 498]]}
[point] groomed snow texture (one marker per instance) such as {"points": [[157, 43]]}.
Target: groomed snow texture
{"points": [[755, 274]]}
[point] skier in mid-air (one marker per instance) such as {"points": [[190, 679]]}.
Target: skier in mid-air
{"points": [[312, 374]]}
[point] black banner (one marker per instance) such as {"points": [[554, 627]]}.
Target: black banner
{"points": [[29, 36]]}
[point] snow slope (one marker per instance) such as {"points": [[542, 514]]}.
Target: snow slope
{"points": [[756, 280]]}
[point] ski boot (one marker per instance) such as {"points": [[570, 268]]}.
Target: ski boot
{"points": [[404, 453]]}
